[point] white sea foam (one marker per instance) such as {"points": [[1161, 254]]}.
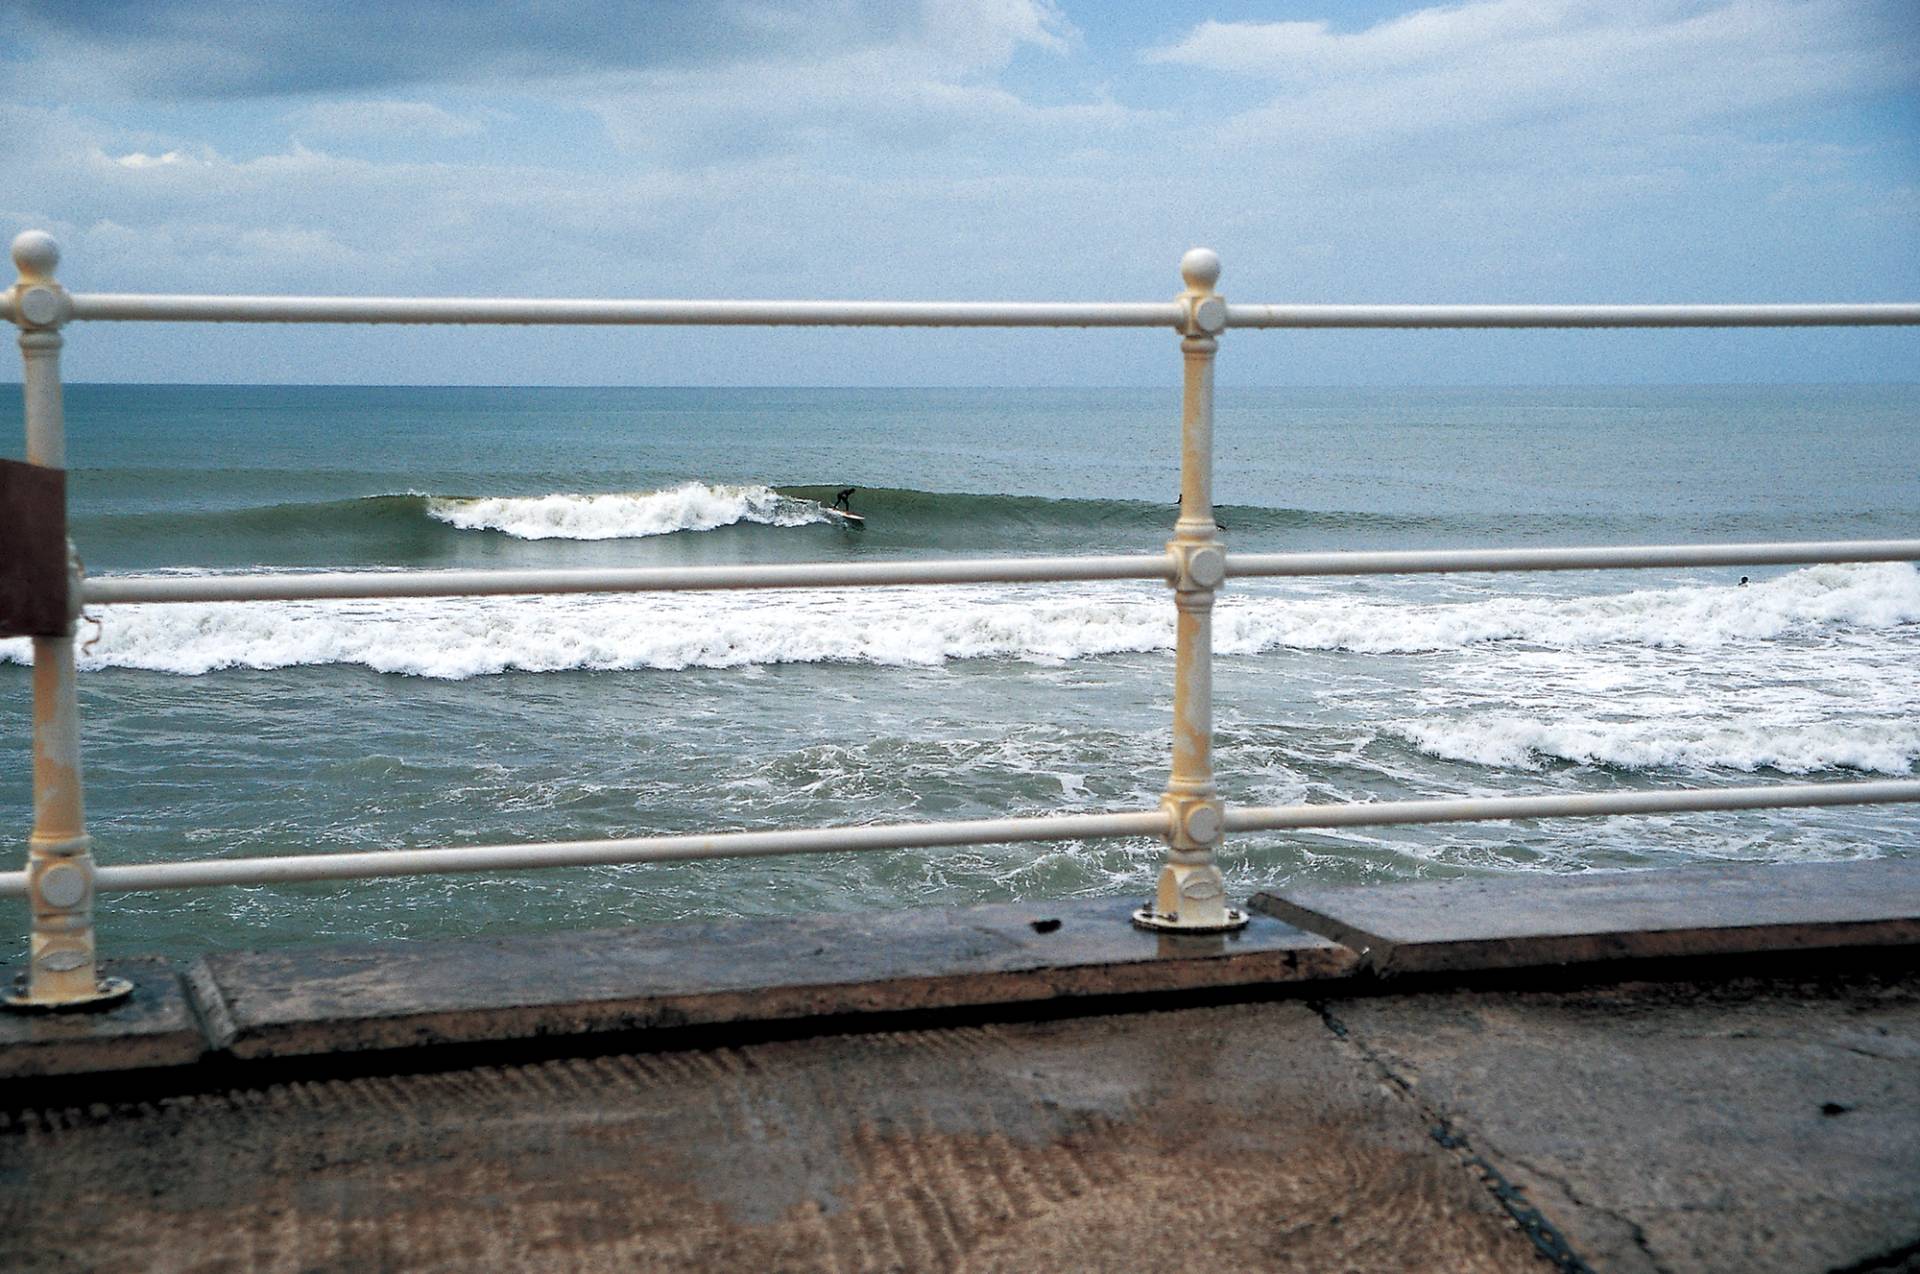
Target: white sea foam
{"points": [[1831, 597], [691, 506], [1759, 741], [1815, 670], [472, 637], [899, 626]]}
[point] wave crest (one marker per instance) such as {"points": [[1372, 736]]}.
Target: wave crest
{"points": [[1502, 741], [691, 506], [903, 626], [1688, 617]]}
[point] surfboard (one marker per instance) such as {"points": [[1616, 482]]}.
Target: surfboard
{"points": [[845, 516]]}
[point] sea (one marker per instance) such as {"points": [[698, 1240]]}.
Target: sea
{"points": [[225, 731]]}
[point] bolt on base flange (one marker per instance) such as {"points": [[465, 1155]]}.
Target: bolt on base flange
{"points": [[106, 993], [1170, 922]]}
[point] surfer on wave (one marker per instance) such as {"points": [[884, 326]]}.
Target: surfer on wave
{"points": [[841, 501]]}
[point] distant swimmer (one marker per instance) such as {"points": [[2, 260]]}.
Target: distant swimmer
{"points": [[1743, 581]]}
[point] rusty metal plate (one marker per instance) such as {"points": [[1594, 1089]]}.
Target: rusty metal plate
{"points": [[33, 551]]}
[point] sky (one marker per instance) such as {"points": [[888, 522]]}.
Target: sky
{"points": [[1329, 150]]}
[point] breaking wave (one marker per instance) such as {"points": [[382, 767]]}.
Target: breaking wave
{"points": [[938, 517], [1760, 742], [903, 626], [1687, 617], [691, 506]]}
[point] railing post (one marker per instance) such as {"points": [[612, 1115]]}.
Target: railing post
{"points": [[1192, 895], [60, 960]]}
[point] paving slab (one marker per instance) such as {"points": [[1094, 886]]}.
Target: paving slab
{"points": [[1747, 1126], [1522, 921], [404, 995], [1235, 1138], [152, 1028]]}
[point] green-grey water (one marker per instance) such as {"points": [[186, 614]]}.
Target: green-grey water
{"points": [[276, 728]]}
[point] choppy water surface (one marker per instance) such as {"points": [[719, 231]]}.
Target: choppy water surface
{"points": [[270, 728]]}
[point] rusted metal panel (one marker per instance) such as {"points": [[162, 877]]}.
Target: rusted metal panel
{"points": [[33, 551]]}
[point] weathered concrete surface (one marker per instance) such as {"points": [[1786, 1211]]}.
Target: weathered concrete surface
{"points": [[1519, 921], [1747, 1126], [1741, 1125], [402, 995], [154, 1027], [1244, 1138]]}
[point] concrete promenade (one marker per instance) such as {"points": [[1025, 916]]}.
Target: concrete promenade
{"points": [[1701, 1070]]}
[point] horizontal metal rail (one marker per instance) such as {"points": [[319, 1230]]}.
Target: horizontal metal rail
{"points": [[1603, 557], [296, 586], [1272, 818], [830, 840], [1478, 316], [390, 309], [143, 307], [352, 584], [600, 853]]}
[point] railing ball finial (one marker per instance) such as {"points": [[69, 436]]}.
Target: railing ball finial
{"points": [[1206, 315], [38, 303], [35, 254], [1200, 268]]}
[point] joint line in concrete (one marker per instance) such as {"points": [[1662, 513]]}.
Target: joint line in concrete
{"points": [[1546, 1237]]}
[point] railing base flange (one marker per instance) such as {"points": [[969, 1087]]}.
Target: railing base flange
{"points": [[107, 993], [1170, 922]]}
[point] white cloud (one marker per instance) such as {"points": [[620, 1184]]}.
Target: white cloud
{"points": [[1493, 150], [1618, 65], [988, 32], [243, 48], [932, 82], [140, 159], [836, 111], [1316, 50], [389, 120]]}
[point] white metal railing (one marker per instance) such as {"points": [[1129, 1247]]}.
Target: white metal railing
{"points": [[1571, 315], [342, 585], [298, 586], [61, 879], [508, 310], [836, 840]]}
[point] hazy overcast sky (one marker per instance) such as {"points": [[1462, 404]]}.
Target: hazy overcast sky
{"points": [[1330, 150]]}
